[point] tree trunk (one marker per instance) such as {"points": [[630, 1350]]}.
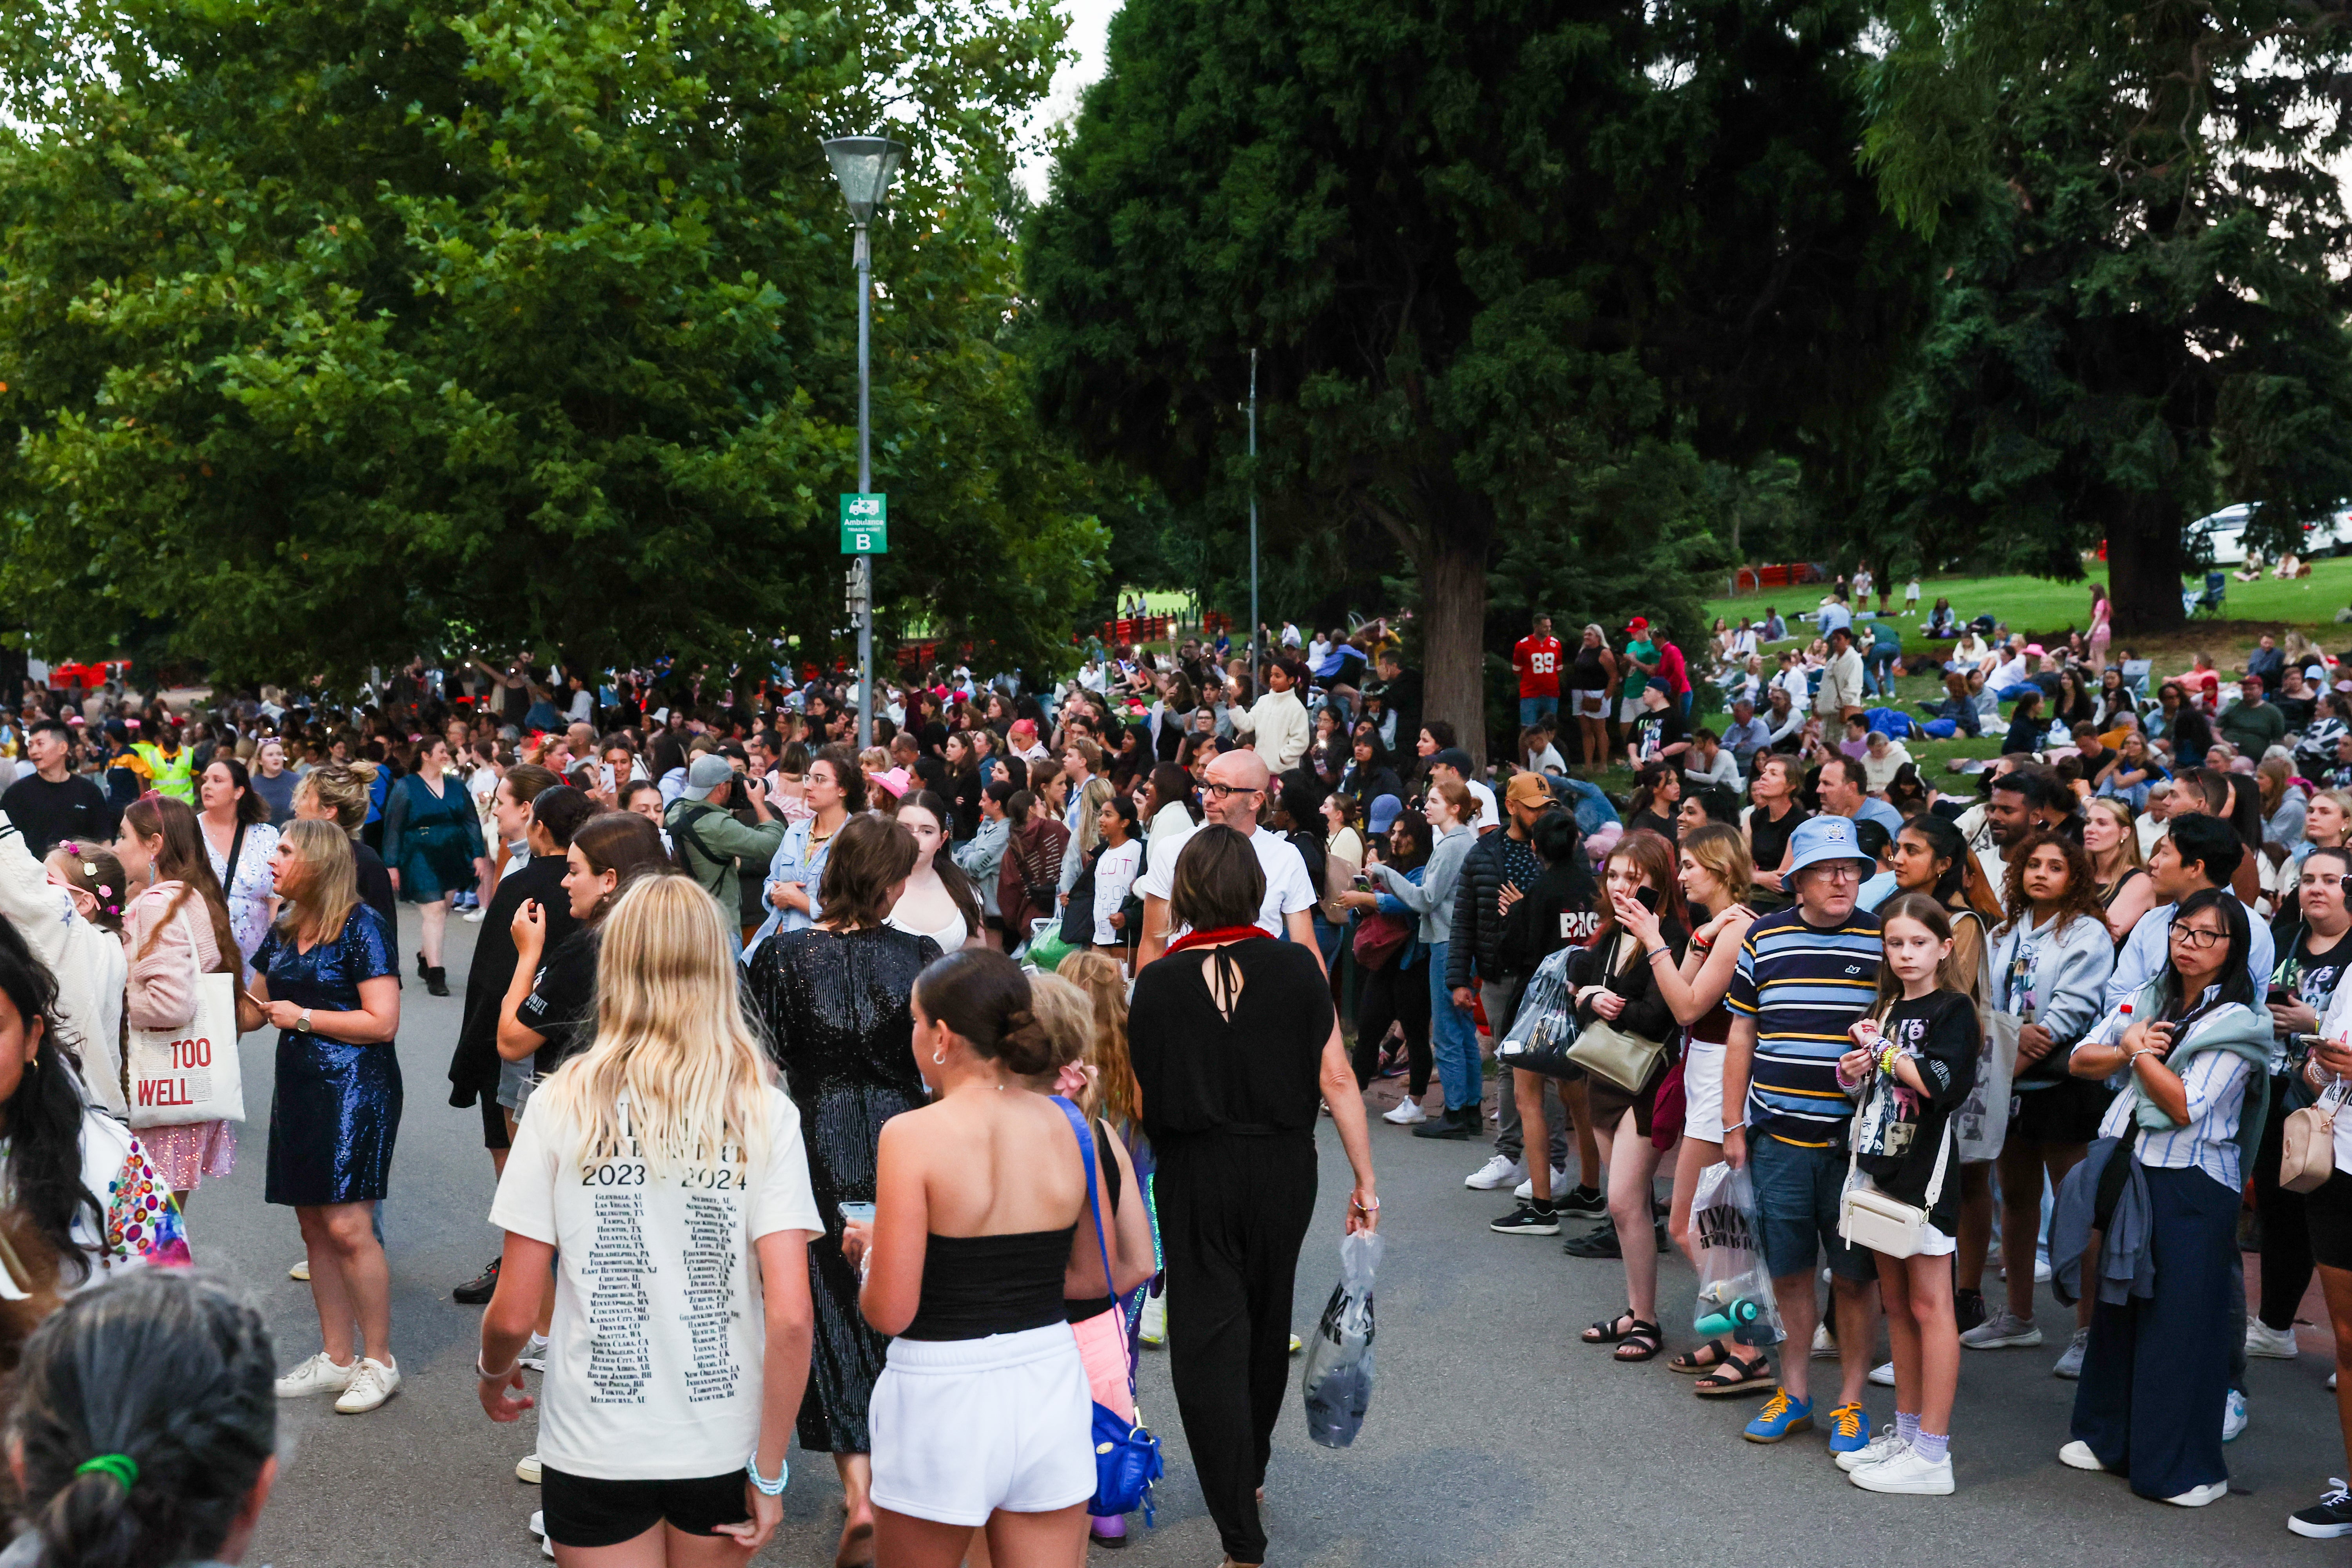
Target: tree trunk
{"points": [[2145, 560], [1453, 566]]}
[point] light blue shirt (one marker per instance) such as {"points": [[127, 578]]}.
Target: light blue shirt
{"points": [[792, 862], [1872, 809], [1875, 891], [2149, 948]]}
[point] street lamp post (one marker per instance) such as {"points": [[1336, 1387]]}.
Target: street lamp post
{"points": [[864, 165]]}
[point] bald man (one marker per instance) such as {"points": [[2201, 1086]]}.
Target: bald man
{"points": [[1234, 795]]}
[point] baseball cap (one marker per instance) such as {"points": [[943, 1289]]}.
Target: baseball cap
{"points": [[1824, 837], [1527, 789], [1638, 625], [708, 772], [1660, 683], [1454, 757], [1386, 809]]}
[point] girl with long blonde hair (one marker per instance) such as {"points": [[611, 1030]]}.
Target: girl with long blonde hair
{"points": [[665, 1155]]}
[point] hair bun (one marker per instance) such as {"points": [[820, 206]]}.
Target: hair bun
{"points": [[1023, 1046]]}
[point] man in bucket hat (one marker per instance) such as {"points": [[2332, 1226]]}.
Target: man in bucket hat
{"points": [[1805, 974]]}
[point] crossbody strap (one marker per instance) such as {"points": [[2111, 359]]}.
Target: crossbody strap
{"points": [[1094, 1202]]}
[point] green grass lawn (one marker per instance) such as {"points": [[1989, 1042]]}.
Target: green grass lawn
{"points": [[2036, 605]]}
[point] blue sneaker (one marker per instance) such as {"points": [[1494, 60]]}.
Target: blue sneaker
{"points": [[1781, 1417], [1849, 1429]]}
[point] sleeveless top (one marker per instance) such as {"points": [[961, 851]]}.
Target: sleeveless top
{"points": [[975, 1286], [1589, 675]]}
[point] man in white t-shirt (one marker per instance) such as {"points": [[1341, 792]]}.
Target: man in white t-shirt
{"points": [[1454, 763], [1236, 789]]}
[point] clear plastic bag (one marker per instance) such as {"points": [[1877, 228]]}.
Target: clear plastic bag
{"points": [[1339, 1376], [1545, 1024], [1735, 1289]]}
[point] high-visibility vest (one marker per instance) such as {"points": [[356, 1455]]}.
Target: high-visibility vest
{"points": [[174, 775]]}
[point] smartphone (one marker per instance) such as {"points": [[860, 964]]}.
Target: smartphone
{"points": [[2282, 996], [1363, 883], [1648, 897], [857, 1213]]}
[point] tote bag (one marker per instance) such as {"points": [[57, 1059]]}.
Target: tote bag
{"points": [[1981, 1125], [191, 1074]]}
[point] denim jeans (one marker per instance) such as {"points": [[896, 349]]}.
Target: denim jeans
{"points": [[1453, 1037]]}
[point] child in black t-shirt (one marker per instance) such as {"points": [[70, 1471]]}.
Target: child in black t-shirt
{"points": [[1913, 1063]]}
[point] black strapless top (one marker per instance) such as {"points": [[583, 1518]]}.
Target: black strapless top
{"points": [[975, 1286]]}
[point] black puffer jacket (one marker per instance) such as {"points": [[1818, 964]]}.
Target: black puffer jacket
{"points": [[1476, 951]]}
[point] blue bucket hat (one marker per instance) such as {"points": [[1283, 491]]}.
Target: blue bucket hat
{"points": [[1825, 837]]}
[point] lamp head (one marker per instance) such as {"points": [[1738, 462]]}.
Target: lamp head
{"points": [[864, 165]]}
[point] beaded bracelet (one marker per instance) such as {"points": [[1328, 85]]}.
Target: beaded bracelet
{"points": [[767, 1487]]}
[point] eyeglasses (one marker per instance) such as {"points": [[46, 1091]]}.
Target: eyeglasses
{"points": [[1222, 791], [2198, 937]]}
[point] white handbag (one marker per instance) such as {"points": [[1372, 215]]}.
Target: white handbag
{"points": [[1868, 1218], [189, 1074]]}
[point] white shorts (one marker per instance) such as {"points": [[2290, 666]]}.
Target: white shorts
{"points": [[964, 1428], [1703, 1091], [1591, 704], [1933, 1243], [1630, 708]]}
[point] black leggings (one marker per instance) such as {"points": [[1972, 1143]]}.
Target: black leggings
{"points": [[1233, 1213], [1394, 995], [2286, 1231]]}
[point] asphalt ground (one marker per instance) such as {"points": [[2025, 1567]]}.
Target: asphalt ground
{"points": [[1495, 1438]]}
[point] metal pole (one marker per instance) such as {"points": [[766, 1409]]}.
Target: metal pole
{"points": [[1257, 647], [864, 485]]}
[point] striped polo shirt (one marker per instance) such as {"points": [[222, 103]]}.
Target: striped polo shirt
{"points": [[1804, 985]]}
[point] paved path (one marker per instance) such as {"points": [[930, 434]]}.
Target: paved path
{"points": [[1495, 1438]]}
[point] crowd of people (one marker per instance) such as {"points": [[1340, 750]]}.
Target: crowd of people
{"points": [[891, 1097]]}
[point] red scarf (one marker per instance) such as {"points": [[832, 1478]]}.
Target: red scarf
{"points": [[1206, 938]]}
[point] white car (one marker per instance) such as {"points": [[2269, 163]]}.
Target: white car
{"points": [[2224, 532]]}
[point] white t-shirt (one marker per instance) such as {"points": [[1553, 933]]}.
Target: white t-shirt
{"points": [[655, 1369], [1287, 890], [1488, 816]]}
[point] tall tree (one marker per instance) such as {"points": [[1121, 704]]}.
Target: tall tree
{"points": [[1504, 259], [2143, 309], [333, 329]]}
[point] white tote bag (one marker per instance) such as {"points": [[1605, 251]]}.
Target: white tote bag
{"points": [[1981, 1125], [190, 1074]]}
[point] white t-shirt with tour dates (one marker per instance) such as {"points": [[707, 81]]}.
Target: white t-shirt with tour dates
{"points": [[654, 1366]]}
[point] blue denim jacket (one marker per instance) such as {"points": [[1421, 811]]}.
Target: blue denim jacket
{"points": [[793, 863]]}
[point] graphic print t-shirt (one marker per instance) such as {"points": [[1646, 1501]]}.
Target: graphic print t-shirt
{"points": [[655, 1366]]}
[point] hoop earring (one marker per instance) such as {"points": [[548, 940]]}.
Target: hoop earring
{"points": [[939, 1059]]}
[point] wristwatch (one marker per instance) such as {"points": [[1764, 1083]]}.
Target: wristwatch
{"points": [[303, 1023]]}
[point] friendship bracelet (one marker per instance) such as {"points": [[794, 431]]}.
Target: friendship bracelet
{"points": [[494, 1376], [767, 1487]]}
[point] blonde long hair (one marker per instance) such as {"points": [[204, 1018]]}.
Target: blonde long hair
{"points": [[329, 888], [1091, 796], [1113, 1093], [671, 1037]]}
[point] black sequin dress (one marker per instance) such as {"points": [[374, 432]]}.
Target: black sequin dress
{"points": [[836, 1007]]}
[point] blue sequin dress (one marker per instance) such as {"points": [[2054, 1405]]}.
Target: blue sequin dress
{"points": [[336, 1108]]}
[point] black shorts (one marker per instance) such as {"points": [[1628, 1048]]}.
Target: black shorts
{"points": [[2065, 1112], [494, 1123], [583, 1511], [2327, 1212]]}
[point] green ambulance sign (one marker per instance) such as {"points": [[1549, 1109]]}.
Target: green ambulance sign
{"points": [[866, 524]]}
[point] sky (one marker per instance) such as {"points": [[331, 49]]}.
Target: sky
{"points": [[1088, 18]]}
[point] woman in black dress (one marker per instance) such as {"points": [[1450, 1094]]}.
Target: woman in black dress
{"points": [[835, 1000], [1234, 1041]]}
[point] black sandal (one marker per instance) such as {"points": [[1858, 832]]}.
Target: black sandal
{"points": [[1706, 1358], [1736, 1376], [1607, 1332], [1644, 1341]]}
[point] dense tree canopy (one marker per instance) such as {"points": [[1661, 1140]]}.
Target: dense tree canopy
{"points": [[2143, 311], [333, 329], [1515, 267]]}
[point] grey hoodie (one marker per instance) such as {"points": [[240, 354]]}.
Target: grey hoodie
{"points": [[1432, 899]]}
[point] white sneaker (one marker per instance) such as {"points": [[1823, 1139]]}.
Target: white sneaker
{"points": [[372, 1385], [527, 1470], [2070, 1364], [539, 1522], [1825, 1342], [1882, 1374], [534, 1354], [1496, 1172], [2233, 1425], [1406, 1113], [2331, 1382], [2000, 1331], [1877, 1451], [300, 1271], [1559, 1184], [1152, 1327], [1906, 1471], [2197, 1497], [2040, 1270], [2277, 1344], [317, 1375], [473, 916], [2078, 1456]]}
